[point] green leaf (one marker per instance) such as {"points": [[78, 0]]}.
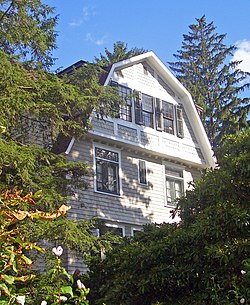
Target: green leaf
{"points": [[8, 278], [67, 290], [27, 260]]}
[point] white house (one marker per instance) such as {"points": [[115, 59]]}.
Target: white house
{"points": [[143, 159]]}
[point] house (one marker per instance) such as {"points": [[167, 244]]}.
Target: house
{"points": [[145, 157]]}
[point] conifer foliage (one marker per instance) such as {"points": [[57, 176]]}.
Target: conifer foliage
{"points": [[204, 67], [120, 52]]}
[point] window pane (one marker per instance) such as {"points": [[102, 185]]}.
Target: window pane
{"points": [[107, 171], [168, 110], [147, 119], [174, 186], [106, 154], [125, 109], [168, 126], [147, 103], [142, 172]]}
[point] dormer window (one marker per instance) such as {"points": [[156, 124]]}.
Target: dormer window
{"points": [[150, 111], [126, 108], [147, 111], [125, 111]]}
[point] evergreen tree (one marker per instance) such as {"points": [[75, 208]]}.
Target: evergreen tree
{"points": [[37, 108], [203, 66], [27, 29], [120, 52]]}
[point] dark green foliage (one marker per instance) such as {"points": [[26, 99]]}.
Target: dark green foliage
{"points": [[119, 53], [37, 110], [27, 29], [197, 261], [203, 66], [34, 169]]}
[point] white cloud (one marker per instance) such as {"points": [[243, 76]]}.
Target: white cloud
{"points": [[87, 13], [243, 54], [76, 23], [98, 42]]}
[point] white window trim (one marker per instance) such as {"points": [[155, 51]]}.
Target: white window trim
{"points": [[137, 229], [174, 167], [112, 225], [97, 145]]}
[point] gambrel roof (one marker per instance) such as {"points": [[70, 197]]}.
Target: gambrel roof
{"points": [[172, 82], [185, 96]]}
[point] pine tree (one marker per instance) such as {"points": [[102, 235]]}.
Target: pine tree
{"points": [[215, 82], [120, 52]]}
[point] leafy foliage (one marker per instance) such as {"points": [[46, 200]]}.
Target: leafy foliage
{"points": [[120, 52], [204, 259], [57, 286], [215, 82], [16, 213]]}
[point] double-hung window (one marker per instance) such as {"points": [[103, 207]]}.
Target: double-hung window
{"points": [[165, 117], [125, 111], [168, 117], [144, 111], [107, 171], [147, 111], [126, 108], [174, 185]]}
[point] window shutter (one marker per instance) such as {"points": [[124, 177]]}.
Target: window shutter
{"points": [[138, 108], [179, 122], [158, 114]]}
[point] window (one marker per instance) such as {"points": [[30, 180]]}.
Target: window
{"points": [[147, 110], [125, 93], [164, 116], [168, 117], [125, 109], [135, 231], [114, 229], [144, 111], [107, 171], [142, 172], [174, 185]]}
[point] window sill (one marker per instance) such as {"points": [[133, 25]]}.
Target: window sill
{"points": [[109, 194]]}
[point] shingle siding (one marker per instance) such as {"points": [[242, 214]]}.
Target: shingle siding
{"points": [[187, 152], [138, 204]]}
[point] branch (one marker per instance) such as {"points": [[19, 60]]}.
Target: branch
{"points": [[6, 12]]}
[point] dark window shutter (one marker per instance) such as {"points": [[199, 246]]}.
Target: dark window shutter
{"points": [[179, 122], [138, 108], [158, 114]]}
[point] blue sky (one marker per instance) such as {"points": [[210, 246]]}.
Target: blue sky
{"points": [[86, 28]]}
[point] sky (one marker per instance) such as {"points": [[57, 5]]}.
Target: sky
{"points": [[86, 28]]}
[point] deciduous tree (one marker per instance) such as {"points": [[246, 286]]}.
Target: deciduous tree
{"points": [[204, 259]]}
